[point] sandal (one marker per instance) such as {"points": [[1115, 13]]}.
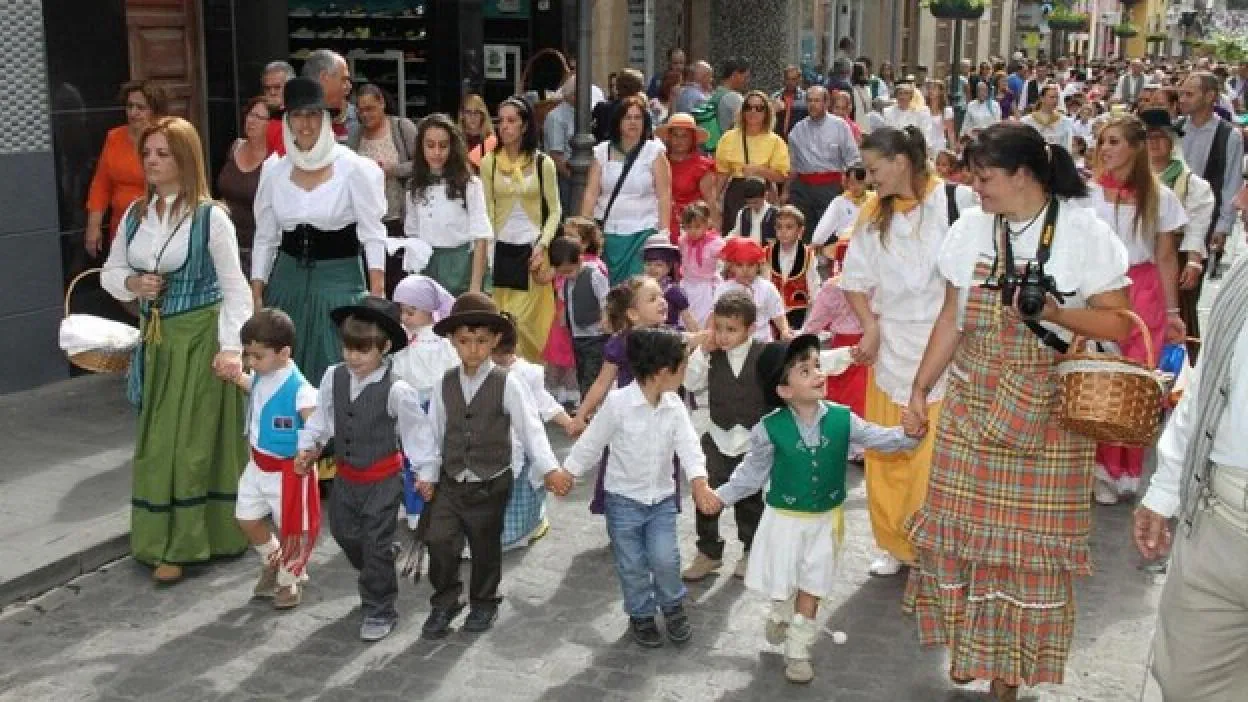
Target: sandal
{"points": [[167, 573], [1003, 692]]}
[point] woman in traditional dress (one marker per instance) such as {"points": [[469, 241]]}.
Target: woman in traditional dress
{"points": [[317, 208], [1051, 124], [982, 112], [1149, 219], [693, 173], [1004, 528], [446, 209], [176, 253], [750, 149], [891, 282], [522, 199], [940, 132], [640, 206]]}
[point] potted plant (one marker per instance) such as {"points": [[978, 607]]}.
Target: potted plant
{"points": [[956, 9], [1126, 30], [1065, 19]]}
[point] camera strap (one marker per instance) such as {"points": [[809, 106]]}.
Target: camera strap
{"points": [[1047, 336]]}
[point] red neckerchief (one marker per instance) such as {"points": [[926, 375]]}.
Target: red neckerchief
{"points": [[1122, 191], [697, 246]]}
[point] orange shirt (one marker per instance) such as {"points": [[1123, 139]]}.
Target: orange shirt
{"points": [[118, 179]]}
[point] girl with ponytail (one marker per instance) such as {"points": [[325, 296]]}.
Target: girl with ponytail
{"points": [[1004, 528], [891, 283]]}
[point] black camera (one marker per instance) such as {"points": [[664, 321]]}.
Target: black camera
{"points": [[1032, 289]]}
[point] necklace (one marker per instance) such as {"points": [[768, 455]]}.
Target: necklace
{"points": [[1015, 234]]}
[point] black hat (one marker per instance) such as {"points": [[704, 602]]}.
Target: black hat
{"points": [[1157, 118], [775, 358], [472, 309], [379, 311], [303, 94]]}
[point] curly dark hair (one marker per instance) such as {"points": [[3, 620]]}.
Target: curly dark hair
{"points": [[654, 349], [455, 174], [621, 109]]}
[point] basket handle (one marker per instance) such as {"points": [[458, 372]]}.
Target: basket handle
{"points": [[1149, 352], [69, 290]]}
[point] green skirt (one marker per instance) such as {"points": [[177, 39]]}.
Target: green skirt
{"points": [[191, 449], [622, 254], [308, 295], [452, 268]]}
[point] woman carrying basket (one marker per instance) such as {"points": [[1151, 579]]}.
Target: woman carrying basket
{"points": [[1005, 525]]}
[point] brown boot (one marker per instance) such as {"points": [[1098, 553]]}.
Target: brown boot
{"points": [[702, 566], [1003, 692], [287, 597], [266, 586], [167, 573]]}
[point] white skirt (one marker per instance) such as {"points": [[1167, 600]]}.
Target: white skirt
{"points": [[701, 294], [792, 553]]}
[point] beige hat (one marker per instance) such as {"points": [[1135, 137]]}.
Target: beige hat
{"points": [[682, 120]]}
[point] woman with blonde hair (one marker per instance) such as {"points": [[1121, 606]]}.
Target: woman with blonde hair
{"points": [[940, 130], [176, 253], [750, 149], [1149, 219], [478, 130]]}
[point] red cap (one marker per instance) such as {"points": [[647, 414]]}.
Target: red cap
{"points": [[740, 249]]}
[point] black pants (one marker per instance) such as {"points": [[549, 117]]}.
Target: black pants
{"points": [[1188, 300], [362, 518], [473, 511], [588, 353], [747, 512], [813, 201], [734, 200]]}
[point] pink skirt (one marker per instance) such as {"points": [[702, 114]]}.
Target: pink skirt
{"points": [[1122, 466], [701, 294], [558, 351]]}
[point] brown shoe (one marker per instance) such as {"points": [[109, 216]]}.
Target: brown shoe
{"points": [[266, 586], [167, 573], [702, 566], [1003, 692], [287, 597]]}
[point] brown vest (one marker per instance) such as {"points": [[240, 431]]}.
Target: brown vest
{"points": [[735, 399], [478, 435]]}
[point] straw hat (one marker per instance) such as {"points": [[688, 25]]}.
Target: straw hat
{"points": [[682, 120]]}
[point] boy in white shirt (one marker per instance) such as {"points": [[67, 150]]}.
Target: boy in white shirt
{"points": [[757, 219], [745, 259], [643, 424], [280, 401]]}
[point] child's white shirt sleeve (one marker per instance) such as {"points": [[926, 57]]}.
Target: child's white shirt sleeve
{"points": [[522, 412], [588, 448], [415, 437], [752, 473], [319, 428]]}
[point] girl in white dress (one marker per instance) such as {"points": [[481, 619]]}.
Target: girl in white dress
{"points": [[1055, 127]]}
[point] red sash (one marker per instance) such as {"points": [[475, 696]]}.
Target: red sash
{"points": [[383, 468], [301, 510], [825, 178]]}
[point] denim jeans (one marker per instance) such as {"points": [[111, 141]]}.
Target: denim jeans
{"points": [[647, 557]]}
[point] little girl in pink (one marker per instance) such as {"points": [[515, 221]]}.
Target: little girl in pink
{"points": [[830, 312], [699, 252]]}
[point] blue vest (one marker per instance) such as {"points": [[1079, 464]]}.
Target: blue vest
{"points": [[280, 420]]}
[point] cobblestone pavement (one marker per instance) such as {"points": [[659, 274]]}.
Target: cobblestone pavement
{"points": [[112, 635]]}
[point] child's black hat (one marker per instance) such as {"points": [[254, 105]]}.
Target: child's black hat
{"points": [[776, 358], [379, 311]]}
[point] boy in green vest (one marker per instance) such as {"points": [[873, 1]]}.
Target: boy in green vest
{"points": [[801, 447]]}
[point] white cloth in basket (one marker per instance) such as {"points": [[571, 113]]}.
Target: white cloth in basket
{"points": [[85, 332]]}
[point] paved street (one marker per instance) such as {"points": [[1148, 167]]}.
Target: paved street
{"points": [[112, 635]]}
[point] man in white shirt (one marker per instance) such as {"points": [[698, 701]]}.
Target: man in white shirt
{"points": [[1131, 85], [1200, 650]]}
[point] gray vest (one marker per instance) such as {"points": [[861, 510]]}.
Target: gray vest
{"points": [[735, 399], [478, 434], [364, 431], [582, 303]]}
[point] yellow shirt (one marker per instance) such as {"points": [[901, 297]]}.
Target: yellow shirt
{"points": [[501, 193], [766, 149]]}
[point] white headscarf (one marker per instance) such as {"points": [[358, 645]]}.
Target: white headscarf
{"points": [[322, 153]]}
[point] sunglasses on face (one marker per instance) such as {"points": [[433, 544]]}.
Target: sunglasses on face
{"points": [[858, 173], [755, 107]]}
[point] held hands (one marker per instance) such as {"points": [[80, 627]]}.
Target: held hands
{"points": [[704, 497], [868, 347], [425, 489], [228, 366], [575, 428], [1152, 533], [1176, 330], [538, 258], [305, 459], [914, 417], [1190, 275], [559, 482]]}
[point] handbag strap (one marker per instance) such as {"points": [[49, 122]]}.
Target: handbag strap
{"points": [[628, 166], [1002, 244]]}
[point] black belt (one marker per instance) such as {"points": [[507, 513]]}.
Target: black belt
{"points": [[307, 244]]}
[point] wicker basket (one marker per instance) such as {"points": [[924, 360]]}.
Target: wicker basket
{"points": [[95, 361], [1109, 397]]}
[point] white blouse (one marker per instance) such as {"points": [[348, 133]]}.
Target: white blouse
{"points": [[840, 215], [1059, 133], [900, 119], [905, 288], [534, 377], [637, 206], [444, 223], [1085, 259], [936, 131], [173, 234], [354, 194], [424, 361], [980, 115], [1121, 220]]}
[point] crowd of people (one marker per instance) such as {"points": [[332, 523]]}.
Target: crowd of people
{"points": [[752, 290]]}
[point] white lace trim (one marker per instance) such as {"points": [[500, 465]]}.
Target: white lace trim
{"points": [[998, 595]]}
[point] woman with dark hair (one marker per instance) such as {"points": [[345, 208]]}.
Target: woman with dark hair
{"points": [[1004, 528], [240, 176], [1046, 119], [661, 104], [522, 199], [891, 283], [446, 210], [1149, 219], [629, 189], [750, 149], [118, 179], [318, 208]]}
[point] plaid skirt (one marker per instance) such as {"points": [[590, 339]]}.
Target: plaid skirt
{"points": [[1004, 529], [526, 508]]}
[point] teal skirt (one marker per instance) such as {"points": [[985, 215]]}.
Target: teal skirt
{"points": [[452, 268], [622, 254], [308, 295]]}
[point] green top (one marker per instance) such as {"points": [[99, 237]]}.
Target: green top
{"points": [[808, 478]]}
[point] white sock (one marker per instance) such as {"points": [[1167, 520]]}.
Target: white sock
{"points": [[782, 611], [285, 578], [269, 551]]}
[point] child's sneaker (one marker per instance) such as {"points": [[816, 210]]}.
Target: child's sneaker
{"points": [[376, 628], [679, 630], [266, 586], [702, 566], [287, 597], [646, 632]]}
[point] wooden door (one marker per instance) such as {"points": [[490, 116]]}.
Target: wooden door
{"points": [[164, 39]]}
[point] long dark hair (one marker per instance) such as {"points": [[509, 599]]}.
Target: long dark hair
{"points": [[1014, 145], [528, 140], [455, 174], [617, 117], [891, 142]]}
